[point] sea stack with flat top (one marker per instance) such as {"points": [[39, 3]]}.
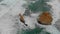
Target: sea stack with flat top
{"points": [[45, 18]]}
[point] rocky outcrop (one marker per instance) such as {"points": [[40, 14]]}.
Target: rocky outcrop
{"points": [[45, 18]]}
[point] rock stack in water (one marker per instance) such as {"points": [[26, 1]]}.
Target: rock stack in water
{"points": [[45, 18]]}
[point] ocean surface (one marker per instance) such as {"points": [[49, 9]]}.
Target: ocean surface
{"points": [[9, 19]]}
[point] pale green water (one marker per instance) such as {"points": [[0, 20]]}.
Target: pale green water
{"points": [[33, 31]]}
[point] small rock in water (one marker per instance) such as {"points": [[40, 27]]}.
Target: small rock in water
{"points": [[22, 18]]}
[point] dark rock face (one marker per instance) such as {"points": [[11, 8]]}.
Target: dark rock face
{"points": [[45, 18]]}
